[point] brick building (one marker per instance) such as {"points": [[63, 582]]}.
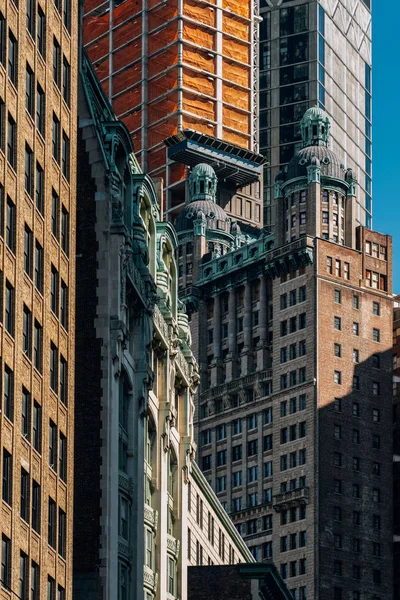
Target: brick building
{"points": [[396, 447], [293, 336], [38, 114], [143, 510], [186, 72]]}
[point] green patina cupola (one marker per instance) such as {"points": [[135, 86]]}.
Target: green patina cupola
{"points": [[202, 183], [315, 127]]}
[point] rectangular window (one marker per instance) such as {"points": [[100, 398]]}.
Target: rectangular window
{"points": [[37, 346], [9, 309], [171, 576], [65, 155], [37, 427], [337, 323], [28, 170], [2, 122], [30, 17], [28, 263], [346, 272], [67, 14], [53, 445], [38, 267], [376, 361], [35, 581], [56, 139], [54, 286], [356, 329], [39, 188], [376, 335], [55, 206], [29, 88], [2, 39], [51, 523], [62, 457], [376, 308], [8, 392], [65, 231], [337, 297], [7, 477], [63, 380], [12, 142], [10, 224], [56, 62], [41, 32], [12, 58], [62, 532], [27, 332], [40, 110], [36, 504], [24, 501], [66, 79], [6, 562], [26, 414]]}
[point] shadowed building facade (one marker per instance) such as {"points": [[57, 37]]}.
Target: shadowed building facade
{"points": [[293, 338], [38, 115]]}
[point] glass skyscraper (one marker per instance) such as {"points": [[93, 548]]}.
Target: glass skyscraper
{"points": [[316, 52]]}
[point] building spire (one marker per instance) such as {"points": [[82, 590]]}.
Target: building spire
{"points": [[315, 127]]}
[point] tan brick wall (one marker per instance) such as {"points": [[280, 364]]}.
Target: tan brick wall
{"points": [[12, 266]]}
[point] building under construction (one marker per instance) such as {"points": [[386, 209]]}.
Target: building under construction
{"points": [[174, 68]]}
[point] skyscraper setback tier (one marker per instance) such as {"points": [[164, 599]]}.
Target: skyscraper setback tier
{"points": [[38, 108], [316, 52], [293, 336], [177, 66]]}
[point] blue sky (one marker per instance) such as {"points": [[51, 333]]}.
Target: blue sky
{"points": [[386, 125]]}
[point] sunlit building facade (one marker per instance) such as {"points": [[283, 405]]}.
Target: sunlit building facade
{"points": [[316, 52], [38, 117]]}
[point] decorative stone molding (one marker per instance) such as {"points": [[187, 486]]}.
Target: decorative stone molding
{"points": [[125, 483], [124, 548], [150, 579], [172, 545], [237, 385], [291, 499]]}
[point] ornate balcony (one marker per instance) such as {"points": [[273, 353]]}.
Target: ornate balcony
{"points": [[173, 545], [150, 579], [124, 548], [291, 499], [150, 517], [238, 386]]}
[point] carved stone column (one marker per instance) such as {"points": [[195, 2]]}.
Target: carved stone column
{"points": [[246, 355], [231, 360], [263, 325], [247, 316], [216, 364]]}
